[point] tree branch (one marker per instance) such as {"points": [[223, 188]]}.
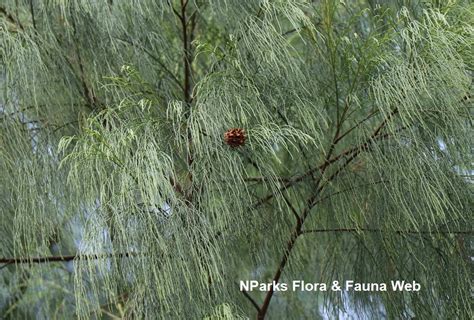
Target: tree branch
{"points": [[187, 57], [252, 301], [349, 189], [384, 231], [32, 12], [261, 179], [10, 17], [30, 260], [311, 203], [357, 124], [297, 231], [288, 202], [88, 92], [276, 278], [292, 181], [156, 59]]}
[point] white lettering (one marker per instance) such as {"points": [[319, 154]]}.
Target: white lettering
{"points": [[397, 285], [304, 286], [349, 284], [405, 286], [365, 287]]}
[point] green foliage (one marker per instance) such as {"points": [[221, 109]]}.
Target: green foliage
{"points": [[357, 163]]}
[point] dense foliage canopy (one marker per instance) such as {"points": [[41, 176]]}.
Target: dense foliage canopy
{"points": [[120, 198]]}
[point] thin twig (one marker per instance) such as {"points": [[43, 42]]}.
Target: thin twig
{"points": [[11, 18], [384, 231], [32, 12], [293, 210], [252, 301], [88, 92], [358, 124], [76, 257], [348, 152], [297, 230], [349, 189], [311, 203], [261, 179], [156, 59], [187, 57]]}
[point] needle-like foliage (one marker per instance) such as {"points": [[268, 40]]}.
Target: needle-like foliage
{"points": [[120, 198]]}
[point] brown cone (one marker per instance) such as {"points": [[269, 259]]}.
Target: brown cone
{"points": [[235, 137]]}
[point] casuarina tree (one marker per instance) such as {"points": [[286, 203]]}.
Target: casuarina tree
{"points": [[227, 159]]}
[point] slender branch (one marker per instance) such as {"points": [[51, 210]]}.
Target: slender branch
{"points": [[177, 187], [187, 57], [290, 182], [362, 147], [29, 260], [358, 124], [252, 301], [297, 231], [176, 12], [276, 278], [88, 92], [156, 59], [384, 231], [321, 167], [10, 17], [261, 179], [365, 146], [311, 202], [79, 78], [293, 210], [293, 30], [351, 188], [18, 112], [187, 38], [32, 11]]}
